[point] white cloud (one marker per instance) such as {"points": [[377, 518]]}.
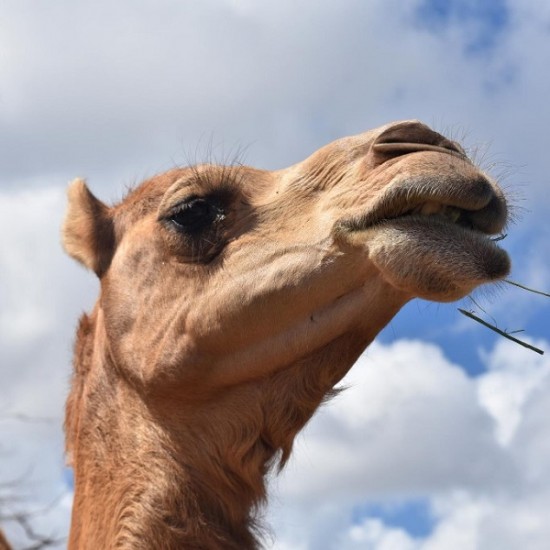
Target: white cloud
{"points": [[482, 480], [509, 385], [409, 422], [373, 534], [26, 308]]}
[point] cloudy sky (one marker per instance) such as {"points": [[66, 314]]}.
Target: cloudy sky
{"points": [[441, 440]]}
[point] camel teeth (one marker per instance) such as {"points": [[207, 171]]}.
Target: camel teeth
{"points": [[430, 208], [452, 213]]}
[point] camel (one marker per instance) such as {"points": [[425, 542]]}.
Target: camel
{"points": [[232, 301]]}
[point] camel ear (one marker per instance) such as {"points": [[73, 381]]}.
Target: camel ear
{"points": [[87, 232]]}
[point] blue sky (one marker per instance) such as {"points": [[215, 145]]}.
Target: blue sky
{"points": [[414, 515], [488, 20], [437, 442]]}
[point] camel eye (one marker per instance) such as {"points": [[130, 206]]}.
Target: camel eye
{"points": [[195, 215]]}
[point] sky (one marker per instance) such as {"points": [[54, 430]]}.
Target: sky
{"points": [[440, 440]]}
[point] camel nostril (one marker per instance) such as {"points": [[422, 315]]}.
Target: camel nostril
{"points": [[410, 131], [406, 137], [453, 145]]}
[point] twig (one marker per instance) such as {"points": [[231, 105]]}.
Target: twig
{"points": [[40, 541], [483, 310], [23, 519], [527, 288], [501, 332]]}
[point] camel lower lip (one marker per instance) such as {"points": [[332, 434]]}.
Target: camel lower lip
{"points": [[446, 241]]}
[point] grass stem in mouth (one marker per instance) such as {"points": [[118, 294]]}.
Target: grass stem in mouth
{"points": [[499, 331], [527, 288]]}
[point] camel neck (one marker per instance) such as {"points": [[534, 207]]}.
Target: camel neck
{"points": [[169, 472], [146, 485]]}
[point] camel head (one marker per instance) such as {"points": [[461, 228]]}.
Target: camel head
{"points": [[234, 299]]}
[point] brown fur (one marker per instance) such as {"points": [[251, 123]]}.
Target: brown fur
{"points": [[3, 542], [207, 352]]}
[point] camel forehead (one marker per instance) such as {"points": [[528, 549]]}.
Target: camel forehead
{"points": [[148, 194]]}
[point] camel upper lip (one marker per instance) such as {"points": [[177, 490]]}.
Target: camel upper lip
{"points": [[481, 208]]}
